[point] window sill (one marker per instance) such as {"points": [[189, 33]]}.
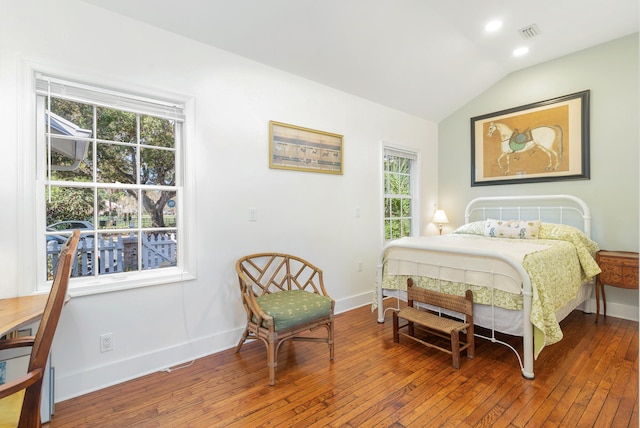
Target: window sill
{"points": [[126, 281]]}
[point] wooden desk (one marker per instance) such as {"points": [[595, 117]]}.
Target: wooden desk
{"points": [[18, 312], [619, 269]]}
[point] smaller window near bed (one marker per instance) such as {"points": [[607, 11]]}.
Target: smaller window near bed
{"points": [[399, 187], [514, 229]]}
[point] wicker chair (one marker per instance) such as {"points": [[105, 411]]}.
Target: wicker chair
{"points": [[20, 398], [283, 296]]}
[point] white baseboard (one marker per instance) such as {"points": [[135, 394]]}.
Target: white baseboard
{"points": [[619, 310], [614, 309], [354, 302], [99, 377]]}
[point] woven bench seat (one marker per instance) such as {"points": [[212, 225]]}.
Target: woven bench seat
{"points": [[432, 321], [440, 326]]}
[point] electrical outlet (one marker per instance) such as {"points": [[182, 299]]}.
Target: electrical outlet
{"points": [[360, 266], [106, 342]]}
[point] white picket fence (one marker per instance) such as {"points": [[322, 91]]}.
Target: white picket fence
{"points": [[119, 254]]}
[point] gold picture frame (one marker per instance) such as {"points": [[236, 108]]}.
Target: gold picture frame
{"points": [[302, 149], [543, 141]]}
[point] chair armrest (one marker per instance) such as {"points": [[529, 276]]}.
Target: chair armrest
{"points": [[20, 383], [18, 342], [256, 310]]}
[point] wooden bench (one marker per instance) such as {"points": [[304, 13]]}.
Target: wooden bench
{"points": [[437, 325]]}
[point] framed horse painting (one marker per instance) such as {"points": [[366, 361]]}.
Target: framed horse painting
{"points": [[543, 141]]}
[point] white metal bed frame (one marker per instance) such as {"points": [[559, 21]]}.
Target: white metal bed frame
{"points": [[562, 209]]}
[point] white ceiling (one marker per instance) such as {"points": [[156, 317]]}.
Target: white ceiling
{"points": [[424, 57]]}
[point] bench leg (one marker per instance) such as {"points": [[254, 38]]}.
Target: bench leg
{"points": [[455, 349], [396, 337]]}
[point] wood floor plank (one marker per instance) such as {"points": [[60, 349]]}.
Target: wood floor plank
{"points": [[589, 378]]}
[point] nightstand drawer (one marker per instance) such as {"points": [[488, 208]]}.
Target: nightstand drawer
{"points": [[621, 276], [620, 261]]}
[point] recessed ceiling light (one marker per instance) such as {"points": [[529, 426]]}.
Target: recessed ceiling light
{"points": [[521, 51], [493, 26]]}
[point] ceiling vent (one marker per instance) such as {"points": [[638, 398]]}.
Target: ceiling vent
{"points": [[529, 31]]}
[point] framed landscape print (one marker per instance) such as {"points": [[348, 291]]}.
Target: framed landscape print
{"points": [[543, 141], [303, 149]]}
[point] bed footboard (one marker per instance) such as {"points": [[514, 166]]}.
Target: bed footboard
{"points": [[526, 362]]}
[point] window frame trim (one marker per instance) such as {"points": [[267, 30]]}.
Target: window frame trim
{"points": [[31, 190]]}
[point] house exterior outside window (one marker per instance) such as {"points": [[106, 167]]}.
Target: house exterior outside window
{"points": [[399, 190], [109, 163]]}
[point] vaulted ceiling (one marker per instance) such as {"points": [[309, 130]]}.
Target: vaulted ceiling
{"points": [[423, 57]]}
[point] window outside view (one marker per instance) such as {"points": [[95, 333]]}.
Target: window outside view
{"points": [[398, 214], [112, 174]]}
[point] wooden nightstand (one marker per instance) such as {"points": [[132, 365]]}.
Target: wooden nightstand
{"points": [[619, 269]]}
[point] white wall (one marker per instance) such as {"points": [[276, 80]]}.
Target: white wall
{"points": [[610, 71], [312, 215]]}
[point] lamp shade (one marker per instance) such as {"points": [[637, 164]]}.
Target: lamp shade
{"points": [[440, 217]]}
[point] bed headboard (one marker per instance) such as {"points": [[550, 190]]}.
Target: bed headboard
{"points": [[562, 209]]}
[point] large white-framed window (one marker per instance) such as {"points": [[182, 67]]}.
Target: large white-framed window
{"points": [[400, 187], [111, 163]]}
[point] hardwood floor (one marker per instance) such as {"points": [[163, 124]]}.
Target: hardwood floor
{"points": [[589, 379]]}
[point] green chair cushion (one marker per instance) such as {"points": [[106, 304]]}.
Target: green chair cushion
{"points": [[291, 308]]}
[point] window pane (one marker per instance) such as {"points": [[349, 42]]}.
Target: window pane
{"points": [[79, 114], [159, 249], [160, 208], [406, 207], [116, 125], [404, 165], [64, 168], [116, 163], [157, 132], [157, 167], [395, 207], [393, 164], [67, 207], [130, 252], [83, 265], [110, 253], [387, 230], [117, 208], [393, 184], [403, 184], [406, 227], [395, 229], [68, 130]]}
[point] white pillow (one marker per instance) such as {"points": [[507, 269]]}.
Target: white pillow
{"points": [[474, 228], [515, 229]]}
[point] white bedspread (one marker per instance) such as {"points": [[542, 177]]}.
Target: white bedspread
{"points": [[404, 260]]}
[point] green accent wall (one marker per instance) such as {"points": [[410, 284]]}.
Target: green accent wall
{"points": [[610, 72]]}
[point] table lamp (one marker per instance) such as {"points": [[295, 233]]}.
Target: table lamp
{"points": [[440, 217]]}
